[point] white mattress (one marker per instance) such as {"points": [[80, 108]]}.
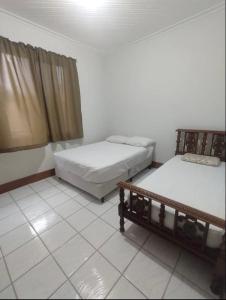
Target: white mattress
{"points": [[101, 162], [195, 185]]}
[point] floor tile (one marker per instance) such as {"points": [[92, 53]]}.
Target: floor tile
{"points": [[99, 208], [119, 250], [136, 233], [67, 208], [71, 191], [57, 199], [25, 257], [57, 235], [4, 278], [63, 185], [5, 199], [73, 254], [36, 210], [21, 192], [45, 194], [195, 269], [41, 185], [84, 198], [8, 210], [8, 293], [45, 221], [125, 290], [95, 278], [166, 251], [113, 197], [16, 238], [148, 275], [54, 180], [11, 223], [112, 217], [41, 281], [97, 233], [81, 219], [33, 199], [180, 288], [67, 291]]}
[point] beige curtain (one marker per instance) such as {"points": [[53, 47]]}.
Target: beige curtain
{"points": [[22, 111], [62, 95], [39, 97]]}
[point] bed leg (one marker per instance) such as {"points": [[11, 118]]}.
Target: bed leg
{"points": [[102, 200], [121, 205], [218, 282], [131, 179]]}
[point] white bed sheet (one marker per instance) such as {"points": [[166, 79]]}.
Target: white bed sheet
{"points": [[101, 162], [198, 186]]}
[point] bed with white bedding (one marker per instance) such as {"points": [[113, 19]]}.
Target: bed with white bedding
{"points": [[184, 201], [199, 186], [97, 168]]}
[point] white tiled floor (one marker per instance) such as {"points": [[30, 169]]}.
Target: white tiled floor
{"points": [[60, 243]]}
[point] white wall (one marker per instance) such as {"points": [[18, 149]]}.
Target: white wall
{"points": [[175, 79], [150, 88], [90, 68]]}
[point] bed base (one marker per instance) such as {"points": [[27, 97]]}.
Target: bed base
{"points": [[190, 230], [99, 190]]}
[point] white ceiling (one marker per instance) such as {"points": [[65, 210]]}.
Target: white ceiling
{"points": [[112, 22]]}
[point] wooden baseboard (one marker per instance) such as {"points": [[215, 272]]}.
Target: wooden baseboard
{"points": [[26, 180], [156, 164]]}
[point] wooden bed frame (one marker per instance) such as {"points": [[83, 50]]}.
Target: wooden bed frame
{"points": [[187, 220]]}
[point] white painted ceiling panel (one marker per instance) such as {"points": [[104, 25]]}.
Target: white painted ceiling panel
{"points": [[107, 24]]}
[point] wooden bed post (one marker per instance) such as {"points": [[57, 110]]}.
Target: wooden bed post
{"points": [[218, 282], [121, 206]]}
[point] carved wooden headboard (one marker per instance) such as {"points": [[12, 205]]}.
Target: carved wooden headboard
{"points": [[204, 142]]}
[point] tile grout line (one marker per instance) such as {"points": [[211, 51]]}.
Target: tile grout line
{"points": [[10, 278], [171, 275], [98, 217], [122, 273], [15, 202], [4, 234], [141, 247], [97, 249], [76, 233], [194, 284], [62, 219], [61, 287], [50, 254], [25, 243]]}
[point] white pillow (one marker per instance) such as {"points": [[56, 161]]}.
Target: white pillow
{"points": [[201, 159], [118, 139], [139, 141]]}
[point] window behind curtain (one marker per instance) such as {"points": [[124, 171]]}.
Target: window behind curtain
{"points": [[22, 112], [39, 97]]}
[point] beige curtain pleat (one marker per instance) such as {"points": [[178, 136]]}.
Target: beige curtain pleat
{"points": [[39, 97], [62, 96], [22, 111]]}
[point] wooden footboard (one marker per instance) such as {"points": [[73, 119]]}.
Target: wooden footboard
{"points": [[190, 228]]}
